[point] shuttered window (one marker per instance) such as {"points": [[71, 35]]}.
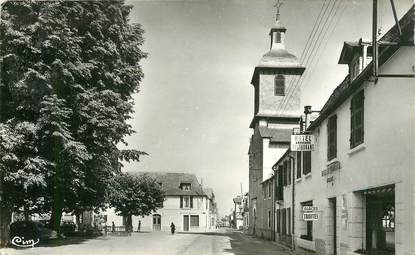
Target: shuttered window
{"points": [[332, 138], [194, 220], [278, 220], [289, 221], [357, 119], [306, 162], [288, 172], [284, 172], [299, 160], [284, 222], [186, 202]]}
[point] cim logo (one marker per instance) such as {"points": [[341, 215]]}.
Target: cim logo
{"points": [[21, 242]]}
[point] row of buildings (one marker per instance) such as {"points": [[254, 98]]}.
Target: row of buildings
{"points": [[188, 204], [355, 192]]}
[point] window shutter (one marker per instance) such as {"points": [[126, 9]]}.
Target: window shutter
{"points": [[284, 173], [289, 221], [181, 201], [335, 137], [306, 162], [299, 164], [289, 171], [191, 201], [278, 221], [328, 139]]}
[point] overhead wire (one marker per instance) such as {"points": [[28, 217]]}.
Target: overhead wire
{"points": [[324, 38], [310, 57], [310, 38], [312, 66], [305, 54]]}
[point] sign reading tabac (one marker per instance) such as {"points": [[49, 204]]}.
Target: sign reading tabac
{"points": [[303, 142]]}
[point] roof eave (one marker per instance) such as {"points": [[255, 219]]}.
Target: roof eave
{"points": [[282, 158], [298, 70], [288, 119]]}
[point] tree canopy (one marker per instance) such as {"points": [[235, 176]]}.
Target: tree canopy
{"points": [[136, 195], [68, 73]]}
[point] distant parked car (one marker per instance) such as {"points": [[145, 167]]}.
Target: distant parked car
{"points": [[22, 232]]}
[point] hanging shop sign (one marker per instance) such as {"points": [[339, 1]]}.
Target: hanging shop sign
{"points": [[303, 142]]}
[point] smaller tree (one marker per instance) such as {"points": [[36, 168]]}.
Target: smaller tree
{"points": [[137, 195]]}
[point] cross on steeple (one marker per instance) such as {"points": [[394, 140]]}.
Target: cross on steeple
{"points": [[278, 5]]}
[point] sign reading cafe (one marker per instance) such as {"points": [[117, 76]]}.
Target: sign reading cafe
{"points": [[302, 142]]}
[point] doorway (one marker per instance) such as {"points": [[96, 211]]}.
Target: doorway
{"points": [[185, 222], [380, 223], [156, 222], [333, 224]]}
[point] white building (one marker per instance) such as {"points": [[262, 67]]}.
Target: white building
{"points": [[186, 205]]}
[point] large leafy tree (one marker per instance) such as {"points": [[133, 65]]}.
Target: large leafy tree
{"points": [[133, 195], [68, 73]]}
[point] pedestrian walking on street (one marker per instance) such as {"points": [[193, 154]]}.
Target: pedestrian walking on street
{"points": [[172, 228], [113, 227], [139, 226]]}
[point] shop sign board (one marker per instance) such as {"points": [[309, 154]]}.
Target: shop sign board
{"points": [[310, 213], [302, 142], [310, 216]]}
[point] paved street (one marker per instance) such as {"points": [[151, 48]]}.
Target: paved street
{"points": [[220, 242]]}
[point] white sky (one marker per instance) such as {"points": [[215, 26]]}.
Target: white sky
{"points": [[196, 101]]}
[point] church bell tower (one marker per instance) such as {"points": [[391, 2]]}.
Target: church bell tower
{"points": [[276, 112], [277, 99]]}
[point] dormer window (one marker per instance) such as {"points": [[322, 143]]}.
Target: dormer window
{"points": [[185, 186], [279, 84]]}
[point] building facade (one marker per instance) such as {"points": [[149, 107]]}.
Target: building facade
{"points": [[245, 212], [186, 205], [237, 213]]}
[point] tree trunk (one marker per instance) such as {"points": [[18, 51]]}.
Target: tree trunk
{"points": [[128, 223], [26, 213], [78, 221], [58, 189], [56, 216], [5, 218]]}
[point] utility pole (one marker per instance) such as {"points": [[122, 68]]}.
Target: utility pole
{"points": [[374, 40]]}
